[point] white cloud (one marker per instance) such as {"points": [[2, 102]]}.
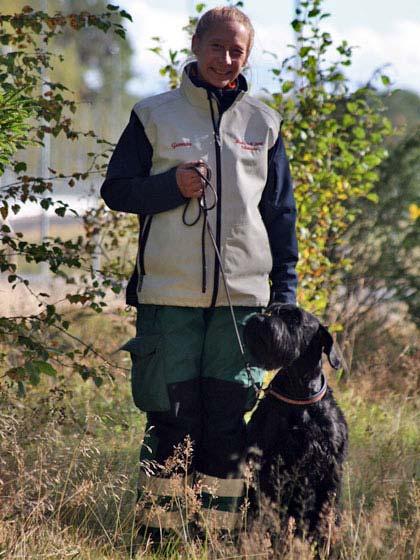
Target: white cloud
{"points": [[272, 38], [148, 22], [398, 46]]}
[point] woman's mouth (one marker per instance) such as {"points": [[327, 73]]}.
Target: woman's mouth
{"points": [[221, 74]]}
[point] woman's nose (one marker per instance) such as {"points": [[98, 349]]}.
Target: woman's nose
{"points": [[227, 59]]}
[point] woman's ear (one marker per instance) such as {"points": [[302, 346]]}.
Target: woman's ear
{"points": [[194, 44]]}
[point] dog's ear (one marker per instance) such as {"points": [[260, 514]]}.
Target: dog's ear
{"points": [[328, 347]]}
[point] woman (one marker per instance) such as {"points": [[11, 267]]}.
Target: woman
{"points": [[188, 371]]}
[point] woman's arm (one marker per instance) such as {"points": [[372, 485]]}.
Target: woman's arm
{"points": [[278, 211], [128, 186]]}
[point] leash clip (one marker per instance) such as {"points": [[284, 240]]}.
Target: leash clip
{"points": [[251, 380]]}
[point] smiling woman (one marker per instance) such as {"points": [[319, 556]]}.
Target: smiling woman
{"points": [[222, 50], [188, 371], [221, 54]]}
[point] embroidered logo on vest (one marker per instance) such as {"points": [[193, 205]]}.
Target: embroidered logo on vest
{"points": [[175, 145], [252, 146]]}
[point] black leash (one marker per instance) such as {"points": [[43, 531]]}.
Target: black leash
{"points": [[203, 209]]}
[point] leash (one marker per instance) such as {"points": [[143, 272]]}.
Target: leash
{"points": [[203, 208]]}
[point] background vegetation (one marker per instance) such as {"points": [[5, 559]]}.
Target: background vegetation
{"points": [[69, 447]]}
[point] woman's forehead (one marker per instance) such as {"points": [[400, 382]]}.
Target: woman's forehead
{"points": [[231, 31]]}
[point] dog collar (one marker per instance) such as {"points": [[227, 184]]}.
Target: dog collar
{"points": [[302, 402]]}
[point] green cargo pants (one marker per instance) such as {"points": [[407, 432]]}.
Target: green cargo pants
{"points": [[188, 374]]}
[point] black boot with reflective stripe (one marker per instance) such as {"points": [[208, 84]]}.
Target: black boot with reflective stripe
{"points": [[223, 502], [162, 507]]}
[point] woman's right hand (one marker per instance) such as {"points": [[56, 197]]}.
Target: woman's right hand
{"points": [[189, 181]]}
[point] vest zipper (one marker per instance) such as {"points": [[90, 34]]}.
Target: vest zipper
{"points": [[217, 145], [143, 241]]}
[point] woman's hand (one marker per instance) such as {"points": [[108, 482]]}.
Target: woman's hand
{"points": [[189, 181]]}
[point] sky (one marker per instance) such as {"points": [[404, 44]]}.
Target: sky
{"points": [[384, 32]]}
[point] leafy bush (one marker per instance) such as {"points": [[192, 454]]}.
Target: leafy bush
{"points": [[32, 107]]}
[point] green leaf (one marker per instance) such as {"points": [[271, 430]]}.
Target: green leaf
{"points": [[4, 210], [126, 15], [303, 51], [120, 33], [45, 367], [85, 372], [359, 133], [373, 197], [98, 381], [21, 166], [348, 120], [351, 107], [21, 389], [33, 372], [297, 25]]}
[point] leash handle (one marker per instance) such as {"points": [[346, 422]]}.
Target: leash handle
{"points": [[202, 201]]}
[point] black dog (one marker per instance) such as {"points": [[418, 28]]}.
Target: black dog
{"points": [[298, 435]]}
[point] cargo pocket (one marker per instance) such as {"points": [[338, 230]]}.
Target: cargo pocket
{"points": [[148, 383]]}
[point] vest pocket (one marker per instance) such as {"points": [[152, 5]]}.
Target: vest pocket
{"points": [[247, 250], [148, 383]]}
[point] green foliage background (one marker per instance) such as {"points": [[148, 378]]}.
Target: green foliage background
{"points": [[335, 139], [69, 451]]}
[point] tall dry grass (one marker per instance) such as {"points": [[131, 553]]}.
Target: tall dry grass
{"points": [[69, 459]]}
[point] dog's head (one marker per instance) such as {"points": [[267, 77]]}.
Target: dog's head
{"points": [[285, 335]]}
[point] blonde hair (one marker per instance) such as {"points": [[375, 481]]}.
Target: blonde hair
{"points": [[216, 16]]}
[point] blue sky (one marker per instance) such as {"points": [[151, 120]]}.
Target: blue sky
{"points": [[385, 32]]}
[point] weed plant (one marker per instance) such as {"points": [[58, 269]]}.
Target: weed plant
{"points": [[69, 465]]}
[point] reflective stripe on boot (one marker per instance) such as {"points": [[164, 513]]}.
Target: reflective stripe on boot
{"points": [[162, 502], [223, 501]]}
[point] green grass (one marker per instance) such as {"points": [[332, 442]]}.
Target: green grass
{"points": [[69, 461]]}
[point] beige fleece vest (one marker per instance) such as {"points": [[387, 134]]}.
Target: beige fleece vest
{"points": [[179, 127]]}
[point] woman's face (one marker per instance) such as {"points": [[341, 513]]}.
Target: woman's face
{"points": [[221, 53]]}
